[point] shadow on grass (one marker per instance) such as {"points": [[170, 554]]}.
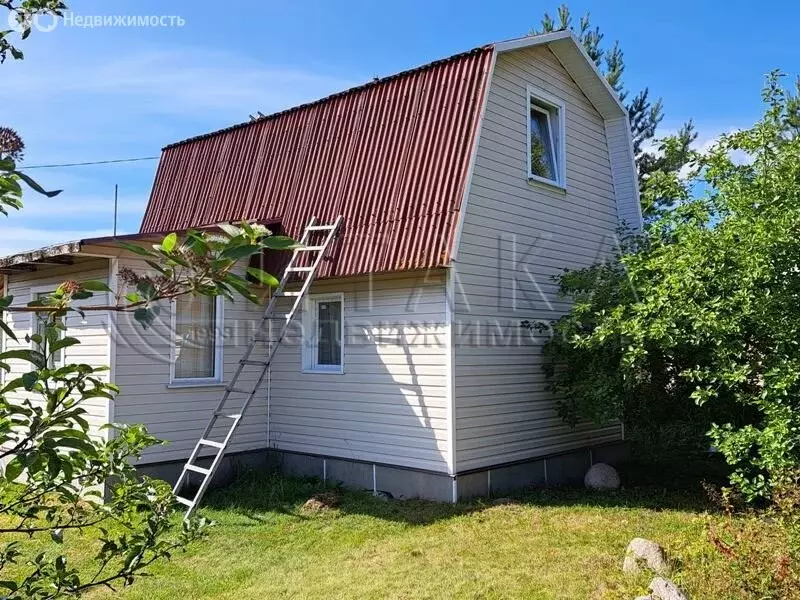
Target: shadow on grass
{"points": [[653, 486]]}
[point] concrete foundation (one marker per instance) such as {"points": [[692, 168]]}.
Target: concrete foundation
{"points": [[231, 466], [559, 469]]}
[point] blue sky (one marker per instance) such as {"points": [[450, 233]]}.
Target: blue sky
{"points": [[114, 92]]}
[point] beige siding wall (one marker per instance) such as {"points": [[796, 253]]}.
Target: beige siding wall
{"points": [[178, 415], [516, 236], [390, 405], [92, 331], [625, 184]]}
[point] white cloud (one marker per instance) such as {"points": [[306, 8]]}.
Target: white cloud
{"points": [[74, 104], [147, 96], [81, 206]]}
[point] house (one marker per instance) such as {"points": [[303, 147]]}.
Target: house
{"points": [[464, 186]]}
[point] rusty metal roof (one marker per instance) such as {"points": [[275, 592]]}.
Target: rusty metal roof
{"points": [[390, 156]]}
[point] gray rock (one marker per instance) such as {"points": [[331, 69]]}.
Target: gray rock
{"points": [[644, 598], [381, 495], [664, 589], [644, 551], [601, 477]]}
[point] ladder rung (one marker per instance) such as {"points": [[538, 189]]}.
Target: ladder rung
{"points": [[238, 391], [211, 443], [197, 469], [253, 363], [220, 413], [271, 330]]}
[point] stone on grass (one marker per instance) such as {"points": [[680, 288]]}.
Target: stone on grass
{"points": [[321, 502], [644, 598], [664, 589], [601, 477], [645, 551], [382, 495]]}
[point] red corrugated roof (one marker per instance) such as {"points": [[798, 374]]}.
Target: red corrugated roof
{"points": [[390, 156]]}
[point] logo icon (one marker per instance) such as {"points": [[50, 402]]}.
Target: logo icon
{"points": [[22, 22]]}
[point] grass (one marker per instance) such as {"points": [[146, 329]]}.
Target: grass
{"points": [[551, 544], [559, 543]]}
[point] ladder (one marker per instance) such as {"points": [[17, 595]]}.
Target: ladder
{"points": [[315, 254]]}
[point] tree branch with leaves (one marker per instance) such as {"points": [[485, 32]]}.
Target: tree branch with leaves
{"points": [[60, 479]]}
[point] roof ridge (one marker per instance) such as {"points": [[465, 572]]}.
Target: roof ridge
{"points": [[352, 90]]}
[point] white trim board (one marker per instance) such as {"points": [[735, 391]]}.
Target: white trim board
{"points": [[559, 152], [219, 323], [462, 211], [309, 321], [113, 284], [565, 45]]}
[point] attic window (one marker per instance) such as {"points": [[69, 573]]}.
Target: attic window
{"points": [[545, 139]]}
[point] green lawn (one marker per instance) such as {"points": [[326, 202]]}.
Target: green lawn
{"points": [[552, 544]]}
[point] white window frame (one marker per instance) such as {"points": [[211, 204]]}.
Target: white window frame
{"points": [[558, 135], [219, 321], [35, 292], [310, 330]]}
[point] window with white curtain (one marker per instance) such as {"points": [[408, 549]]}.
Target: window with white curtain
{"points": [[197, 343], [323, 334]]}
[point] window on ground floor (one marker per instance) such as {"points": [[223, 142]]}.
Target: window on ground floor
{"points": [[197, 339], [323, 334]]}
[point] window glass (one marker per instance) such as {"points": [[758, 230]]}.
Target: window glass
{"points": [[195, 337], [542, 148], [329, 327]]}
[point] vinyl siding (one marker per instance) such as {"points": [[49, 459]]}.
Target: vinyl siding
{"points": [[516, 236], [390, 405], [178, 415], [625, 184], [92, 331]]}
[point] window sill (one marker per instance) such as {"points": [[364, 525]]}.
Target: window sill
{"points": [[178, 385], [323, 371], [536, 180]]}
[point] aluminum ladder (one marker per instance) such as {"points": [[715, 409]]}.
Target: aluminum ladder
{"points": [[263, 335]]}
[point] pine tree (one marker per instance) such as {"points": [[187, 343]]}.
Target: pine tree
{"points": [[644, 114]]}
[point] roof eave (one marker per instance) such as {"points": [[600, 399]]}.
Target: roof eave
{"points": [[566, 41], [59, 254]]}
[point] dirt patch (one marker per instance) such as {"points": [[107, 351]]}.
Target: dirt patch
{"points": [[321, 502]]}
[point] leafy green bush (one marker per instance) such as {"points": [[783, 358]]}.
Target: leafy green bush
{"points": [[699, 320]]}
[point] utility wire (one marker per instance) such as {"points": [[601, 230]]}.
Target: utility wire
{"points": [[84, 164]]}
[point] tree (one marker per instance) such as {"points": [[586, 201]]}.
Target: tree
{"points": [[53, 472], [644, 114], [24, 12], [52, 481], [705, 309]]}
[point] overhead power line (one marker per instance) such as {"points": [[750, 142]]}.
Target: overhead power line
{"points": [[86, 164]]}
